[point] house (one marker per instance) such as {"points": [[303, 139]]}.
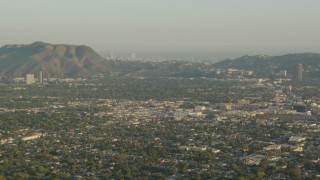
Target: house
{"points": [[273, 147], [253, 159]]}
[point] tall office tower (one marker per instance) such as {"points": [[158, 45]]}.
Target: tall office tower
{"points": [[40, 77], [300, 72], [30, 78]]}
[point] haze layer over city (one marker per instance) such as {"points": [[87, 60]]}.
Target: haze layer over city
{"points": [[214, 28], [144, 89]]}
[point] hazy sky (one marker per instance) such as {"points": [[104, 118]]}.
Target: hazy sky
{"points": [[235, 26]]}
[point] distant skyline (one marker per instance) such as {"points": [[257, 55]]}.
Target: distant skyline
{"points": [[214, 27]]}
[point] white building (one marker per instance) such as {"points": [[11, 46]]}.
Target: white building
{"points": [[296, 139], [32, 137], [30, 79]]}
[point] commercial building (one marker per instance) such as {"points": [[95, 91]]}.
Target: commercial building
{"points": [[32, 137], [300, 69], [243, 102], [299, 107], [30, 79], [40, 77]]}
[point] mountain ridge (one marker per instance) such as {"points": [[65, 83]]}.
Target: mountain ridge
{"points": [[271, 65], [63, 60], [55, 60]]}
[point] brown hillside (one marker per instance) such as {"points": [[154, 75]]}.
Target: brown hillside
{"points": [[54, 60]]}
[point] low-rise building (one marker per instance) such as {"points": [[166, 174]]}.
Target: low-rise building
{"points": [[32, 137], [253, 159]]}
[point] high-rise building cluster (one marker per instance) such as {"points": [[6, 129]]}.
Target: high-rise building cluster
{"points": [[30, 79]]}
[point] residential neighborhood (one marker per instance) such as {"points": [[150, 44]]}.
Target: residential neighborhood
{"points": [[256, 134]]}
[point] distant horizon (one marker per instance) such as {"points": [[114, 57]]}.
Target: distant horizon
{"points": [[216, 28], [178, 52]]}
